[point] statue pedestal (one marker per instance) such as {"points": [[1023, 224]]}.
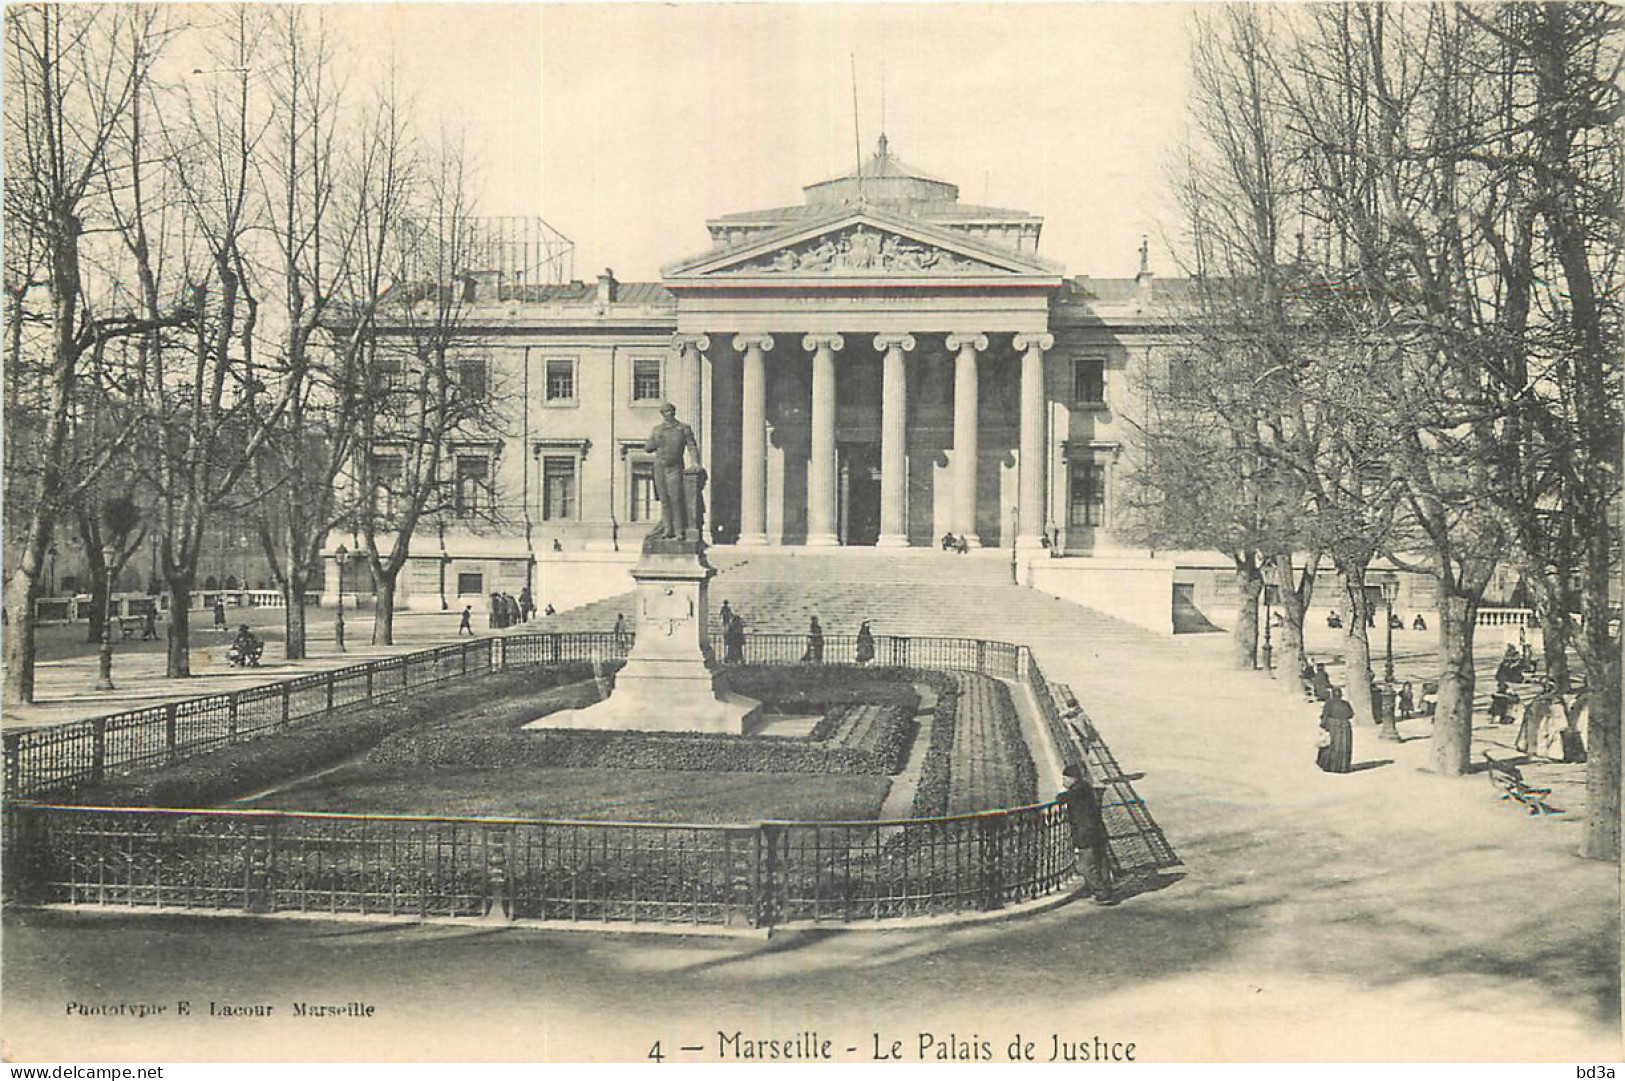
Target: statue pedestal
{"points": [[670, 682]]}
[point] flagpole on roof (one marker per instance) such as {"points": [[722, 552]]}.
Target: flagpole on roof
{"points": [[857, 138]]}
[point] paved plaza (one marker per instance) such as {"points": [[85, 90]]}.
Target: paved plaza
{"points": [[1385, 914]]}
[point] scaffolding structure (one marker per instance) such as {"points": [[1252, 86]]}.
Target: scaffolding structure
{"points": [[521, 250]]}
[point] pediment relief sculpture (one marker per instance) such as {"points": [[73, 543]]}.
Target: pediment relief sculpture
{"points": [[861, 250]]}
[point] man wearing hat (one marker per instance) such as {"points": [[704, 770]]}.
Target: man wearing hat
{"points": [[1082, 802]]}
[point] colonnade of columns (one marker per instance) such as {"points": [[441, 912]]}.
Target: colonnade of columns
{"points": [[822, 473]]}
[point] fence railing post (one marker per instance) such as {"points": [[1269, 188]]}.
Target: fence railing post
{"points": [[330, 682], [494, 886], [171, 710], [990, 843], [98, 749], [287, 702], [14, 747], [767, 875], [260, 842], [231, 716]]}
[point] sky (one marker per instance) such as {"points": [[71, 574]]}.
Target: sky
{"points": [[627, 126]]}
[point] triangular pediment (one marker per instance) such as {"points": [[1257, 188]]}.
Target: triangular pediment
{"points": [[860, 243]]}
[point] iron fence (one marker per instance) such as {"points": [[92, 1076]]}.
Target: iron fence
{"points": [[763, 875], [40, 762]]}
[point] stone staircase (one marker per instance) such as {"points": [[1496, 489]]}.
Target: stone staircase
{"points": [[911, 592]]}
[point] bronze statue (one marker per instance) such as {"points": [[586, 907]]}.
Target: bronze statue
{"points": [[668, 443]]}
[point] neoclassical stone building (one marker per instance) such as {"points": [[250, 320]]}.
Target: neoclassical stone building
{"points": [[878, 365]]}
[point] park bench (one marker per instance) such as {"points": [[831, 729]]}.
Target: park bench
{"points": [[1508, 780]]}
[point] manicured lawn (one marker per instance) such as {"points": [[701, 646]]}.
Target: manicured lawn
{"points": [[603, 794]]}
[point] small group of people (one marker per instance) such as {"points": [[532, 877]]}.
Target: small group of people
{"points": [[952, 543], [1550, 728], [1334, 618], [507, 610], [1518, 664], [245, 649]]}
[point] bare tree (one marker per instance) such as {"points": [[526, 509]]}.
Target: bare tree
{"points": [[72, 76], [419, 400], [215, 404]]}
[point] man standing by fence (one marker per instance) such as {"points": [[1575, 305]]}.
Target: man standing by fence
{"points": [[1082, 803]]}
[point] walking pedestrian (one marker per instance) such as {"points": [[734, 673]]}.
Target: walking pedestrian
{"points": [[815, 643], [733, 640], [623, 637], [527, 605], [866, 643], [149, 626], [220, 614], [468, 621], [1082, 802], [1336, 753], [1322, 683]]}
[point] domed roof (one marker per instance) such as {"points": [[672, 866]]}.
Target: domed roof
{"points": [[883, 179]]}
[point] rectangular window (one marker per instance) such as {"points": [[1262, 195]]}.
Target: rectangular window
{"points": [[386, 481], [561, 380], [473, 486], [1089, 380], [470, 584], [390, 373], [646, 379], [645, 508], [473, 378], [1088, 494], [558, 489]]}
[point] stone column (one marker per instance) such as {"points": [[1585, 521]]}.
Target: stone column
{"points": [[753, 440], [1034, 443], [822, 504], [691, 371], [965, 448], [894, 440]]}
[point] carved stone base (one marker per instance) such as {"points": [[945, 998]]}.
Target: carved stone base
{"points": [[670, 682]]}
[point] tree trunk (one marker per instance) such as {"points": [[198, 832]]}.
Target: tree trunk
{"points": [[1453, 718], [101, 596], [1244, 638], [22, 590], [1556, 632], [1289, 648], [1357, 643], [293, 616], [104, 663], [179, 664], [383, 611], [1599, 654]]}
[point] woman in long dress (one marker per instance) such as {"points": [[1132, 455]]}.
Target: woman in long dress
{"points": [[1533, 733], [1336, 753]]}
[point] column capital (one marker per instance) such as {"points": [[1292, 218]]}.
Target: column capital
{"points": [[967, 340], [887, 342], [1042, 341], [764, 342], [697, 342], [833, 342]]}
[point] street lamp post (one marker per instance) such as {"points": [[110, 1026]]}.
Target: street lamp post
{"points": [[1269, 649], [50, 581], [1385, 711], [342, 554]]}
